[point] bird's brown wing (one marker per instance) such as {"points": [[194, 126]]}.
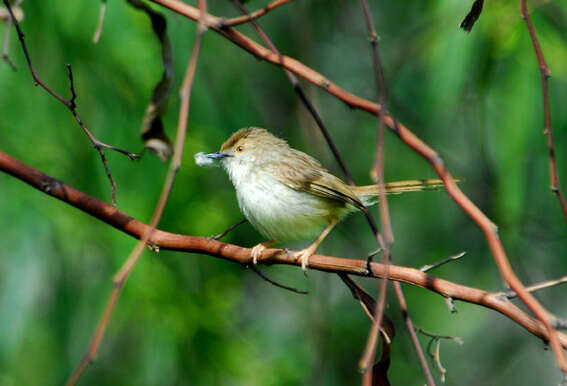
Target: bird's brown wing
{"points": [[302, 172]]}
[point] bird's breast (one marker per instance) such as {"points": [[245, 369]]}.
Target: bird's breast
{"points": [[279, 212]]}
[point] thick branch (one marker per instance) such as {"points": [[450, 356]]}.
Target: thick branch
{"points": [[234, 253]]}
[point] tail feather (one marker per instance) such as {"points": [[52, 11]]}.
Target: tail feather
{"points": [[369, 194]]}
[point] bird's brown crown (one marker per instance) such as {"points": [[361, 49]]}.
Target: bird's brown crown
{"points": [[259, 136]]}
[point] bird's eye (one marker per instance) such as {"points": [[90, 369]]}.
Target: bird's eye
{"points": [[240, 149]]}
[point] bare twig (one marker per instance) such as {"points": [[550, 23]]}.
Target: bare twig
{"points": [[545, 73], [224, 23], [8, 29], [273, 282], [429, 267], [70, 104], [411, 330], [230, 228], [372, 341], [202, 245], [124, 272], [368, 355], [101, 13], [537, 287], [435, 355]]}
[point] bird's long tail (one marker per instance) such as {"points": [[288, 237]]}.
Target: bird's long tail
{"points": [[369, 194]]}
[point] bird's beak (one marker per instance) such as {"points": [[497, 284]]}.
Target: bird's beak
{"points": [[217, 155]]}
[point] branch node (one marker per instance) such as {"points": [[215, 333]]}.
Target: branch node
{"points": [[325, 83], [153, 246], [46, 186], [373, 38]]}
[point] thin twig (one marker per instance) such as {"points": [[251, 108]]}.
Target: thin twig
{"points": [[251, 15], [273, 282], [124, 272], [101, 13], [436, 355], [70, 104], [203, 245], [6, 45], [537, 287], [8, 29], [230, 228], [489, 229], [411, 330], [446, 260], [381, 96], [544, 75]]}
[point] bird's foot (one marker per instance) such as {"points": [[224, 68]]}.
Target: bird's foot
{"points": [[258, 249], [257, 252], [304, 256]]}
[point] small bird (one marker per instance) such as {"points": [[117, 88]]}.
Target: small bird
{"points": [[288, 195]]}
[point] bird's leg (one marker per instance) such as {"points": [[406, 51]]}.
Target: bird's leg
{"points": [[306, 253], [258, 249]]}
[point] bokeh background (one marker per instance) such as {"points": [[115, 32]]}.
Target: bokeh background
{"points": [[191, 319]]}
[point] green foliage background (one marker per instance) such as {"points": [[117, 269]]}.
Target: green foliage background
{"points": [[192, 319]]}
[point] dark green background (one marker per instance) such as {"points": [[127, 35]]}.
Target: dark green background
{"points": [[192, 319]]}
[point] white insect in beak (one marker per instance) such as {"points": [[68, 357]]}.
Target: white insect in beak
{"points": [[211, 159]]}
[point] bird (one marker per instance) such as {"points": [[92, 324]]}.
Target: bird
{"points": [[288, 195]]}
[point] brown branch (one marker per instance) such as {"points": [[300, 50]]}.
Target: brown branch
{"points": [[70, 104], [545, 74], [202, 245], [489, 229], [224, 23], [128, 266], [369, 352]]}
